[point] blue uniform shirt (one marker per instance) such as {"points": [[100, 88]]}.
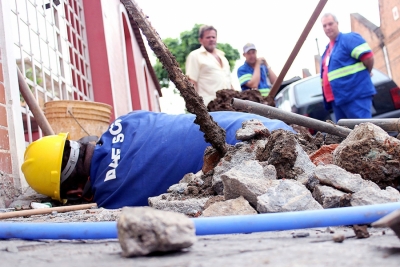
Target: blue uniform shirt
{"points": [[245, 73], [347, 75], [143, 153]]}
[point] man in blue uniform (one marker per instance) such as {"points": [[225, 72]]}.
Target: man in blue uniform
{"points": [[141, 155], [345, 72], [255, 71]]}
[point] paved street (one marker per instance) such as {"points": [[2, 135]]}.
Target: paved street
{"points": [[382, 248]]}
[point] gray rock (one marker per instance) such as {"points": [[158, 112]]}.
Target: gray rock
{"points": [[371, 195], [168, 202], [371, 152], [303, 166], [247, 180], [251, 129], [269, 171], [142, 230], [329, 197], [238, 206], [341, 179], [189, 177], [243, 152], [27, 197], [286, 195], [177, 188]]}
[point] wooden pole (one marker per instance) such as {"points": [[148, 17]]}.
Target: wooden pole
{"points": [[33, 105], [21, 213], [213, 133], [295, 51]]}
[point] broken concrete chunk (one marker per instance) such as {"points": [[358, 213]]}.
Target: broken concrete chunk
{"points": [[269, 171], [329, 197], [286, 195], [142, 230], [237, 185], [238, 206], [324, 155], [251, 129], [189, 177], [371, 152], [371, 195], [243, 152], [167, 202], [341, 179], [177, 188], [303, 166]]}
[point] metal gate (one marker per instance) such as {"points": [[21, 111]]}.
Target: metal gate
{"points": [[50, 48]]}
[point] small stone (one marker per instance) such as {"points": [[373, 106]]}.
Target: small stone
{"points": [[251, 129], [186, 206], [328, 197], [286, 195], [338, 238], [143, 230], [301, 234], [361, 231], [238, 206]]}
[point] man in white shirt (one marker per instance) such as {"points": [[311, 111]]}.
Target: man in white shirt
{"points": [[207, 67]]}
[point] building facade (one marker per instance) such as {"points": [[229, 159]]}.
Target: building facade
{"points": [[66, 50], [383, 40]]}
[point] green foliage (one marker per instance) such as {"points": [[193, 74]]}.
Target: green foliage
{"points": [[181, 47]]}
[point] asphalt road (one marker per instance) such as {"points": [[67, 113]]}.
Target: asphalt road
{"points": [[382, 248]]}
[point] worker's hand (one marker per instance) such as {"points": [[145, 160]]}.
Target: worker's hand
{"points": [[262, 61]]}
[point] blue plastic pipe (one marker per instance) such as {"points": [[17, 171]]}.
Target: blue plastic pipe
{"points": [[209, 225]]}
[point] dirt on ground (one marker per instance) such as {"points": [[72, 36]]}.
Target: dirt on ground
{"points": [[224, 98]]}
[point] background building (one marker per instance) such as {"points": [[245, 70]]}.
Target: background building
{"points": [[67, 50]]}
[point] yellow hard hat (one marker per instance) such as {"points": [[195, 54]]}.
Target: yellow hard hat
{"points": [[42, 164]]}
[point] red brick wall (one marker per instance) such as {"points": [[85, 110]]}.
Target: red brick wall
{"points": [[373, 41], [391, 30], [6, 181]]}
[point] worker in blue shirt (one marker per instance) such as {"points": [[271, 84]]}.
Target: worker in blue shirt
{"points": [[255, 73], [346, 68], [140, 156]]}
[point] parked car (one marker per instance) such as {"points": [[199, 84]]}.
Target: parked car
{"points": [[305, 97]]}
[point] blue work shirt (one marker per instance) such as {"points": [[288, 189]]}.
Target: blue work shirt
{"points": [[144, 153], [245, 73], [347, 75]]}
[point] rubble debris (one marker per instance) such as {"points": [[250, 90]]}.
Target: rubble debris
{"points": [[338, 238], [373, 195], [341, 179], [324, 155], [143, 230], [224, 97], [238, 206], [252, 129], [330, 197], [241, 152], [371, 152], [391, 220], [308, 142], [280, 151], [286, 195], [361, 231], [301, 234], [210, 159], [185, 205], [303, 167], [213, 200], [246, 179]]}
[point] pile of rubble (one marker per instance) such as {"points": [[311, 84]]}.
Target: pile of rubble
{"points": [[282, 171]]}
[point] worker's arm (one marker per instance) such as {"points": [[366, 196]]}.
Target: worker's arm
{"points": [[255, 79], [368, 61]]}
